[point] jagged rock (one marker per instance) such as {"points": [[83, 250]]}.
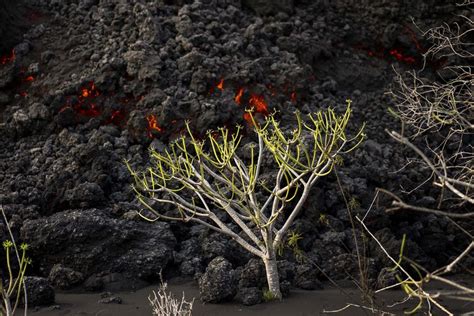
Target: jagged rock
{"points": [[307, 277], [218, 283], [62, 152], [252, 274], [90, 242], [265, 7], [39, 291], [109, 298], [285, 287], [250, 295], [64, 278], [386, 278]]}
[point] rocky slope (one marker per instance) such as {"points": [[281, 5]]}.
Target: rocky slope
{"points": [[96, 82]]}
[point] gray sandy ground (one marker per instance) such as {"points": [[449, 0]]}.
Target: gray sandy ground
{"points": [[300, 303]]}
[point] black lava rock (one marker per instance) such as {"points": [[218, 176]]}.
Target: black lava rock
{"points": [[39, 291], [64, 278], [307, 277], [90, 242], [218, 283], [250, 295]]}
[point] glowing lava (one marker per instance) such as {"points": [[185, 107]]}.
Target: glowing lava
{"points": [[7, 58], [89, 91], [86, 104], [293, 97], [402, 58], [238, 96], [258, 103], [153, 125], [117, 117], [220, 85]]}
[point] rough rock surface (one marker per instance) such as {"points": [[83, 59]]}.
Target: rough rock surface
{"points": [[64, 278], [307, 277], [39, 291], [250, 295], [88, 242], [218, 283], [265, 7], [94, 82]]}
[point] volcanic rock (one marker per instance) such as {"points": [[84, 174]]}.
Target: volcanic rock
{"points": [[218, 283], [265, 7], [252, 274], [250, 295], [307, 277], [39, 291], [89, 241], [64, 278], [112, 77]]}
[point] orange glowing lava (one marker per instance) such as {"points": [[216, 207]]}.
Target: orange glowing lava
{"points": [[29, 79], [153, 125], [89, 91], [258, 103], [86, 104], [248, 118], [220, 85], [238, 96]]}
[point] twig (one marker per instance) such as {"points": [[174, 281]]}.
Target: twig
{"points": [[349, 305]]}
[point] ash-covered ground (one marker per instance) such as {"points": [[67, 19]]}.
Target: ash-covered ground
{"points": [[93, 83]]}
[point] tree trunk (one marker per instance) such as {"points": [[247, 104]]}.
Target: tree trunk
{"points": [[6, 305], [273, 277]]}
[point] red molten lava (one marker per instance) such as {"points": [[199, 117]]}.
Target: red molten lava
{"points": [[398, 54], [86, 101], [88, 110], [258, 103], [89, 91], [238, 96], [87, 105], [402, 58], [248, 117], [220, 85], [293, 97], [117, 118], [6, 59], [272, 90], [153, 125], [29, 79]]}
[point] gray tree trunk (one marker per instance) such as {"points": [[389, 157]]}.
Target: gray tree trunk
{"points": [[273, 277]]}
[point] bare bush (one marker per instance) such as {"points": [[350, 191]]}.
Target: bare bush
{"points": [[165, 304], [437, 126], [442, 110]]}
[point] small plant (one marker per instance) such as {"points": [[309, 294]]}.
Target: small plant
{"points": [[353, 204], [164, 303], [323, 219], [11, 285], [268, 296]]}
